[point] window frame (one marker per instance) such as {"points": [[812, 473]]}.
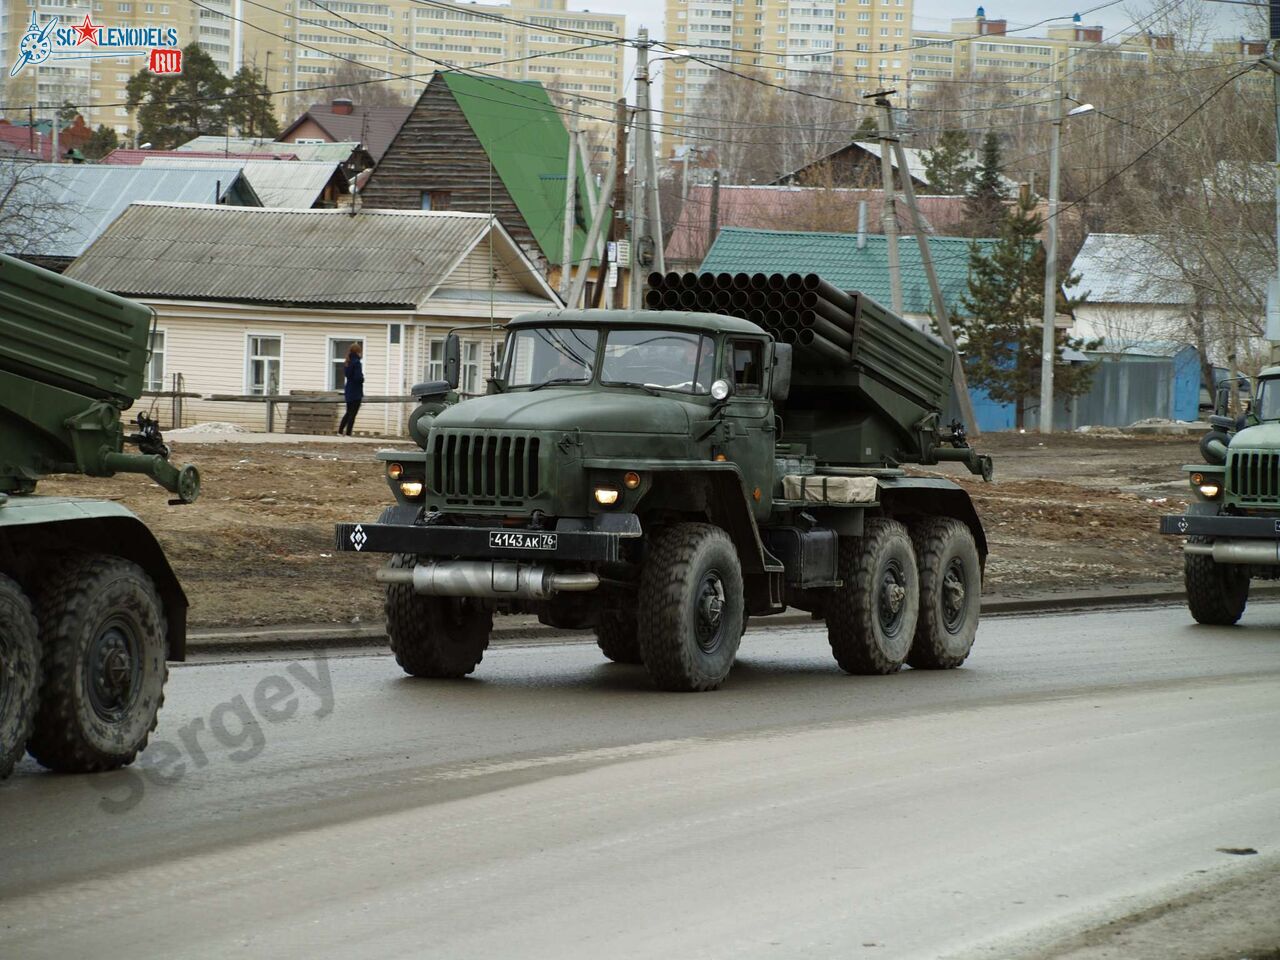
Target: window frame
{"points": [[331, 363], [250, 356], [163, 333]]}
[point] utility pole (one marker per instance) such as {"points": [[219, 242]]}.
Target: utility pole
{"points": [[713, 220], [646, 228], [1272, 63], [941, 316], [684, 176], [570, 196], [889, 216], [1049, 342], [618, 226]]}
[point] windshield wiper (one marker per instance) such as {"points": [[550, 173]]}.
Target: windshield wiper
{"points": [[554, 380], [632, 383]]}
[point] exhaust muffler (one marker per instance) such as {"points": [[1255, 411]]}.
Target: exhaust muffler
{"points": [[488, 579]]}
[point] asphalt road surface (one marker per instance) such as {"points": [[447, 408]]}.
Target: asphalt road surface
{"points": [[1088, 785]]}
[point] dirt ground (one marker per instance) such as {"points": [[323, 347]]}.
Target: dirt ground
{"points": [[1073, 512]]}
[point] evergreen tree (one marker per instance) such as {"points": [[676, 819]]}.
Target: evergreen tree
{"points": [[985, 201], [173, 108], [947, 167], [102, 142], [249, 108], [867, 130], [1002, 313]]}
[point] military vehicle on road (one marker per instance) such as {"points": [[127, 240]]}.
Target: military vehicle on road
{"points": [[90, 609], [1232, 528], [659, 476]]}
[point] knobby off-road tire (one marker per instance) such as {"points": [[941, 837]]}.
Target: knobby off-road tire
{"points": [[436, 637], [871, 619], [103, 630], [19, 673], [1216, 592], [617, 635], [691, 607], [950, 593]]}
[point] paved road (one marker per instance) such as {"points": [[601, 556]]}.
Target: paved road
{"points": [[1080, 769]]}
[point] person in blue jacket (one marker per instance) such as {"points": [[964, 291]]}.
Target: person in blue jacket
{"points": [[353, 388]]}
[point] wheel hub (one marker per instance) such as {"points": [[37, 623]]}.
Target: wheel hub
{"points": [[113, 672], [893, 592], [710, 612], [953, 595]]}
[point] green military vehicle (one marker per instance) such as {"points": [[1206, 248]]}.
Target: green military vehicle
{"points": [[1232, 528], [90, 609], [659, 476]]}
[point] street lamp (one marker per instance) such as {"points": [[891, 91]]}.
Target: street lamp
{"points": [[1049, 342]]}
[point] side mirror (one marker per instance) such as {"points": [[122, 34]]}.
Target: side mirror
{"points": [[452, 360], [780, 386]]}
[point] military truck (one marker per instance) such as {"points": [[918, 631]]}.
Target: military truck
{"points": [[659, 476], [1232, 527], [90, 610]]}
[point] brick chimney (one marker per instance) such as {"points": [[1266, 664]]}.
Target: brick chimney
{"points": [[342, 106]]}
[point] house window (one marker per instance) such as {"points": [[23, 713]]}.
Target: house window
{"points": [[155, 365], [435, 361], [338, 360], [393, 333], [264, 365], [471, 367], [435, 199]]}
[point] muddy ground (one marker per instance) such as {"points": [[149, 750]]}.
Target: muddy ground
{"points": [[1073, 512]]}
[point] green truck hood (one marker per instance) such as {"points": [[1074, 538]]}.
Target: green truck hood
{"points": [[564, 408], [1265, 436]]}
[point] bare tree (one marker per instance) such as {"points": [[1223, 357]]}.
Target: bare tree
{"points": [[30, 217], [363, 86]]}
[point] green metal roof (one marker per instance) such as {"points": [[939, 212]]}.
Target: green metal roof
{"points": [[522, 132], [706, 322], [838, 260]]}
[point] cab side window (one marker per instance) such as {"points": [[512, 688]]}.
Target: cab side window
{"points": [[748, 368]]}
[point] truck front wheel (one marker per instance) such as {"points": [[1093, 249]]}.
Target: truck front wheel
{"points": [[436, 637], [19, 673], [103, 630], [871, 620], [950, 594], [1216, 592], [691, 607]]}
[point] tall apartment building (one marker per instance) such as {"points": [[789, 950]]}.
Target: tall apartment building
{"points": [[303, 43], [844, 47], [980, 47]]}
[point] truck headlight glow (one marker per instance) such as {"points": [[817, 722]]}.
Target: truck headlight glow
{"points": [[606, 496], [1210, 490], [411, 488]]}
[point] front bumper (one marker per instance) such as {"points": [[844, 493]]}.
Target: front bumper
{"points": [[488, 543], [1243, 528]]}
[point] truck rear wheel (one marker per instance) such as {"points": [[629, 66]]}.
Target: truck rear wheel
{"points": [[617, 637], [103, 630], [950, 594], [1216, 592], [19, 673], [436, 637], [691, 607], [871, 620]]}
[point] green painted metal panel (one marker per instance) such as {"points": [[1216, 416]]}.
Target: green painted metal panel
{"points": [[70, 335], [522, 132]]}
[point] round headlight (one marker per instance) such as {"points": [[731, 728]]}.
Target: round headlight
{"points": [[631, 480], [395, 470], [411, 488], [1210, 490], [606, 496], [721, 389]]}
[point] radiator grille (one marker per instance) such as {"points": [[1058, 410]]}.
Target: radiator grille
{"points": [[485, 466], [1255, 475]]}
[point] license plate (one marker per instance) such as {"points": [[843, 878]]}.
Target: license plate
{"points": [[520, 540]]}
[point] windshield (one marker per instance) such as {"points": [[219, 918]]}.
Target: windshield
{"points": [[667, 359], [1267, 404], [551, 354]]}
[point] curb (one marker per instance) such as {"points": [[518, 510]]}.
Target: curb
{"points": [[321, 636]]}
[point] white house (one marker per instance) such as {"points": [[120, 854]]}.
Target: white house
{"points": [[260, 302]]}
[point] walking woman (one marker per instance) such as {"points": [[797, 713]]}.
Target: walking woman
{"points": [[353, 388]]}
